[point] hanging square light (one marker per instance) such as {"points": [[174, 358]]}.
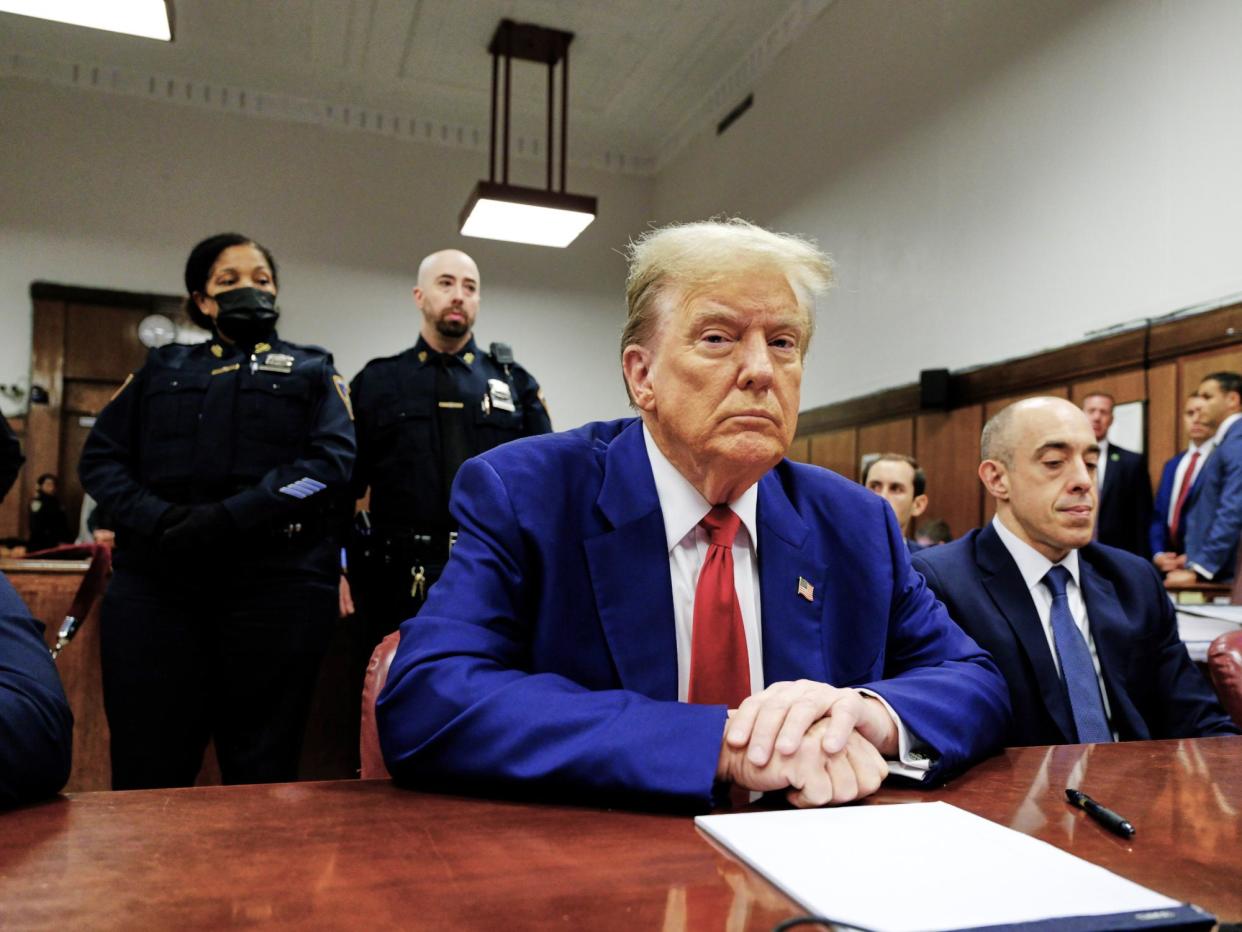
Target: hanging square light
{"points": [[518, 214]]}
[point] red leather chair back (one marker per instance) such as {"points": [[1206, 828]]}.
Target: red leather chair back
{"points": [[377, 674], [1225, 667]]}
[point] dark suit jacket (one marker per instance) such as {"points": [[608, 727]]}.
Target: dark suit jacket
{"points": [[545, 657], [1125, 502], [36, 726], [1213, 510], [1154, 691]]}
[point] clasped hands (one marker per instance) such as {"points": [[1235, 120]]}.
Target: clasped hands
{"points": [[819, 743]]}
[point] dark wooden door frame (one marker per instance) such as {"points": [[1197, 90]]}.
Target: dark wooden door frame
{"points": [[47, 369]]}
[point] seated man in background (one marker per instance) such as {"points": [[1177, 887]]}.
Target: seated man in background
{"points": [[1124, 508], [1084, 633], [933, 532], [1178, 477], [652, 608], [1213, 510], [36, 726], [900, 481]]}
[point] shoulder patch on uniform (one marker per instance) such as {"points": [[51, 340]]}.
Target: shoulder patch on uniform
{"points": [[124, 385], [342, 389], [303, 488]]}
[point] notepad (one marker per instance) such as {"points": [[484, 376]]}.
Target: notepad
{"points": [[922, 866]]}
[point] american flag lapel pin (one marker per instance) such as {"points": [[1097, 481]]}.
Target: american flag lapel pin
{"points": [[806, 590]]}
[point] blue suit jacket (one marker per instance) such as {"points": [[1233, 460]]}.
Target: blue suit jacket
{"points": [[1154, 691], [36, 726], [1158, 535], [545, 656], [1213, 510]]}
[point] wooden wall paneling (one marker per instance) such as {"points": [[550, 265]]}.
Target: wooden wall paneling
{"points": [[800, 450], [87, 398], [1125, 387], [999, 404], [836, 450], [47, 371], [1030, 375], [101, 342], [947, 447], [895, 436], [1193, 368], [1164, 418]]}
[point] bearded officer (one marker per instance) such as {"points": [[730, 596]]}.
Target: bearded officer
{"points": [[421, 414]]}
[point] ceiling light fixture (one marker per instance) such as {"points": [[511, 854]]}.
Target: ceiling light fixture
{"points": [[504, 211], [151, 19]]}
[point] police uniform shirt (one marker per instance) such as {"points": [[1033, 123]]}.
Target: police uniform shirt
{"points": [[268, 434], [421, 413]]}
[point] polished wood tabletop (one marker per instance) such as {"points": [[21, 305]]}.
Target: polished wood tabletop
{"points": [[367, 854]]}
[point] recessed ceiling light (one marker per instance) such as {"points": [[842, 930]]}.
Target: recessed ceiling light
{"points": [[151, 19]]}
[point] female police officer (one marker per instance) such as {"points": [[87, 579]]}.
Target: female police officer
{"points": [[220, 464]]}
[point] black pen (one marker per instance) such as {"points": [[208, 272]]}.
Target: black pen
{"points": [[1106, 817]]}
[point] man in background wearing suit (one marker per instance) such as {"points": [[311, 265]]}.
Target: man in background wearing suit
{"points": [[1124, 518], [652, 609], [1181, 472], [900, 481], [1213, 509], [1084, 633], [36, 726]]}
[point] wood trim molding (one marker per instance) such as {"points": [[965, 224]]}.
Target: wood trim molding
{"points": [[74, 294], [1141, 347]]}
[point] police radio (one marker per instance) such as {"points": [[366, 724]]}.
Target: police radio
{"points": [[503, 354]]}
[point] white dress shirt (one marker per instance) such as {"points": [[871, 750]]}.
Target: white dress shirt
{"points": [[1101, 465], [683, 507], [1203, 449], [1034, 566]]}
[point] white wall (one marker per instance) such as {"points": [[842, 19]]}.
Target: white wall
{"points": [[111, 192], [993, 178]]}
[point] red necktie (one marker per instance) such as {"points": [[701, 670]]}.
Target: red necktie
{"points": [[719, 664], [1187, 480]]}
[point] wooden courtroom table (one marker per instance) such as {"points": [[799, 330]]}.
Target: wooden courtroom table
{"points": [[367, 854]]}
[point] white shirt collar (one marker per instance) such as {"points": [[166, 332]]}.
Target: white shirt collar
{"points": [[1032, 564], [682, 505], [1224, 427]]}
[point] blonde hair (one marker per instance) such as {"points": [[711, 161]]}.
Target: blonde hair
{"points": [[685, 258]]}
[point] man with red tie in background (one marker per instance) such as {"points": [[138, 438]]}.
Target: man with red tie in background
{"points": [[1176, 480], [653, 609]]}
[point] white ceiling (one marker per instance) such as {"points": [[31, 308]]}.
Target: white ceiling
{"points": [[645, 75]]}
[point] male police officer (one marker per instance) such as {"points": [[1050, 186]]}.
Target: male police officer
{"points": [[420, 415]]}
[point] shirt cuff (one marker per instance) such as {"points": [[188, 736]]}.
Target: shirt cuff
{"points": [[1200, 570], [912, 761]]}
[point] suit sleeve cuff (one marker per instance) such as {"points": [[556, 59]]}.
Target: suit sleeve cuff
{"points": [[1206, 574], [914, 757]]}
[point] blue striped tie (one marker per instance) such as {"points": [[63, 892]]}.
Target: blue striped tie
{"points": [[1076, 667]]}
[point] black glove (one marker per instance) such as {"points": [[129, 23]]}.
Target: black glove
{"points": [[173, 514], [202, 526]]}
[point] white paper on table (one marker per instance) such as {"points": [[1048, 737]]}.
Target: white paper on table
{"points": [[918, 866]]}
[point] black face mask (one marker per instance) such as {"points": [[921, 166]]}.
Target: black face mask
{"points": [[246, 315]]}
